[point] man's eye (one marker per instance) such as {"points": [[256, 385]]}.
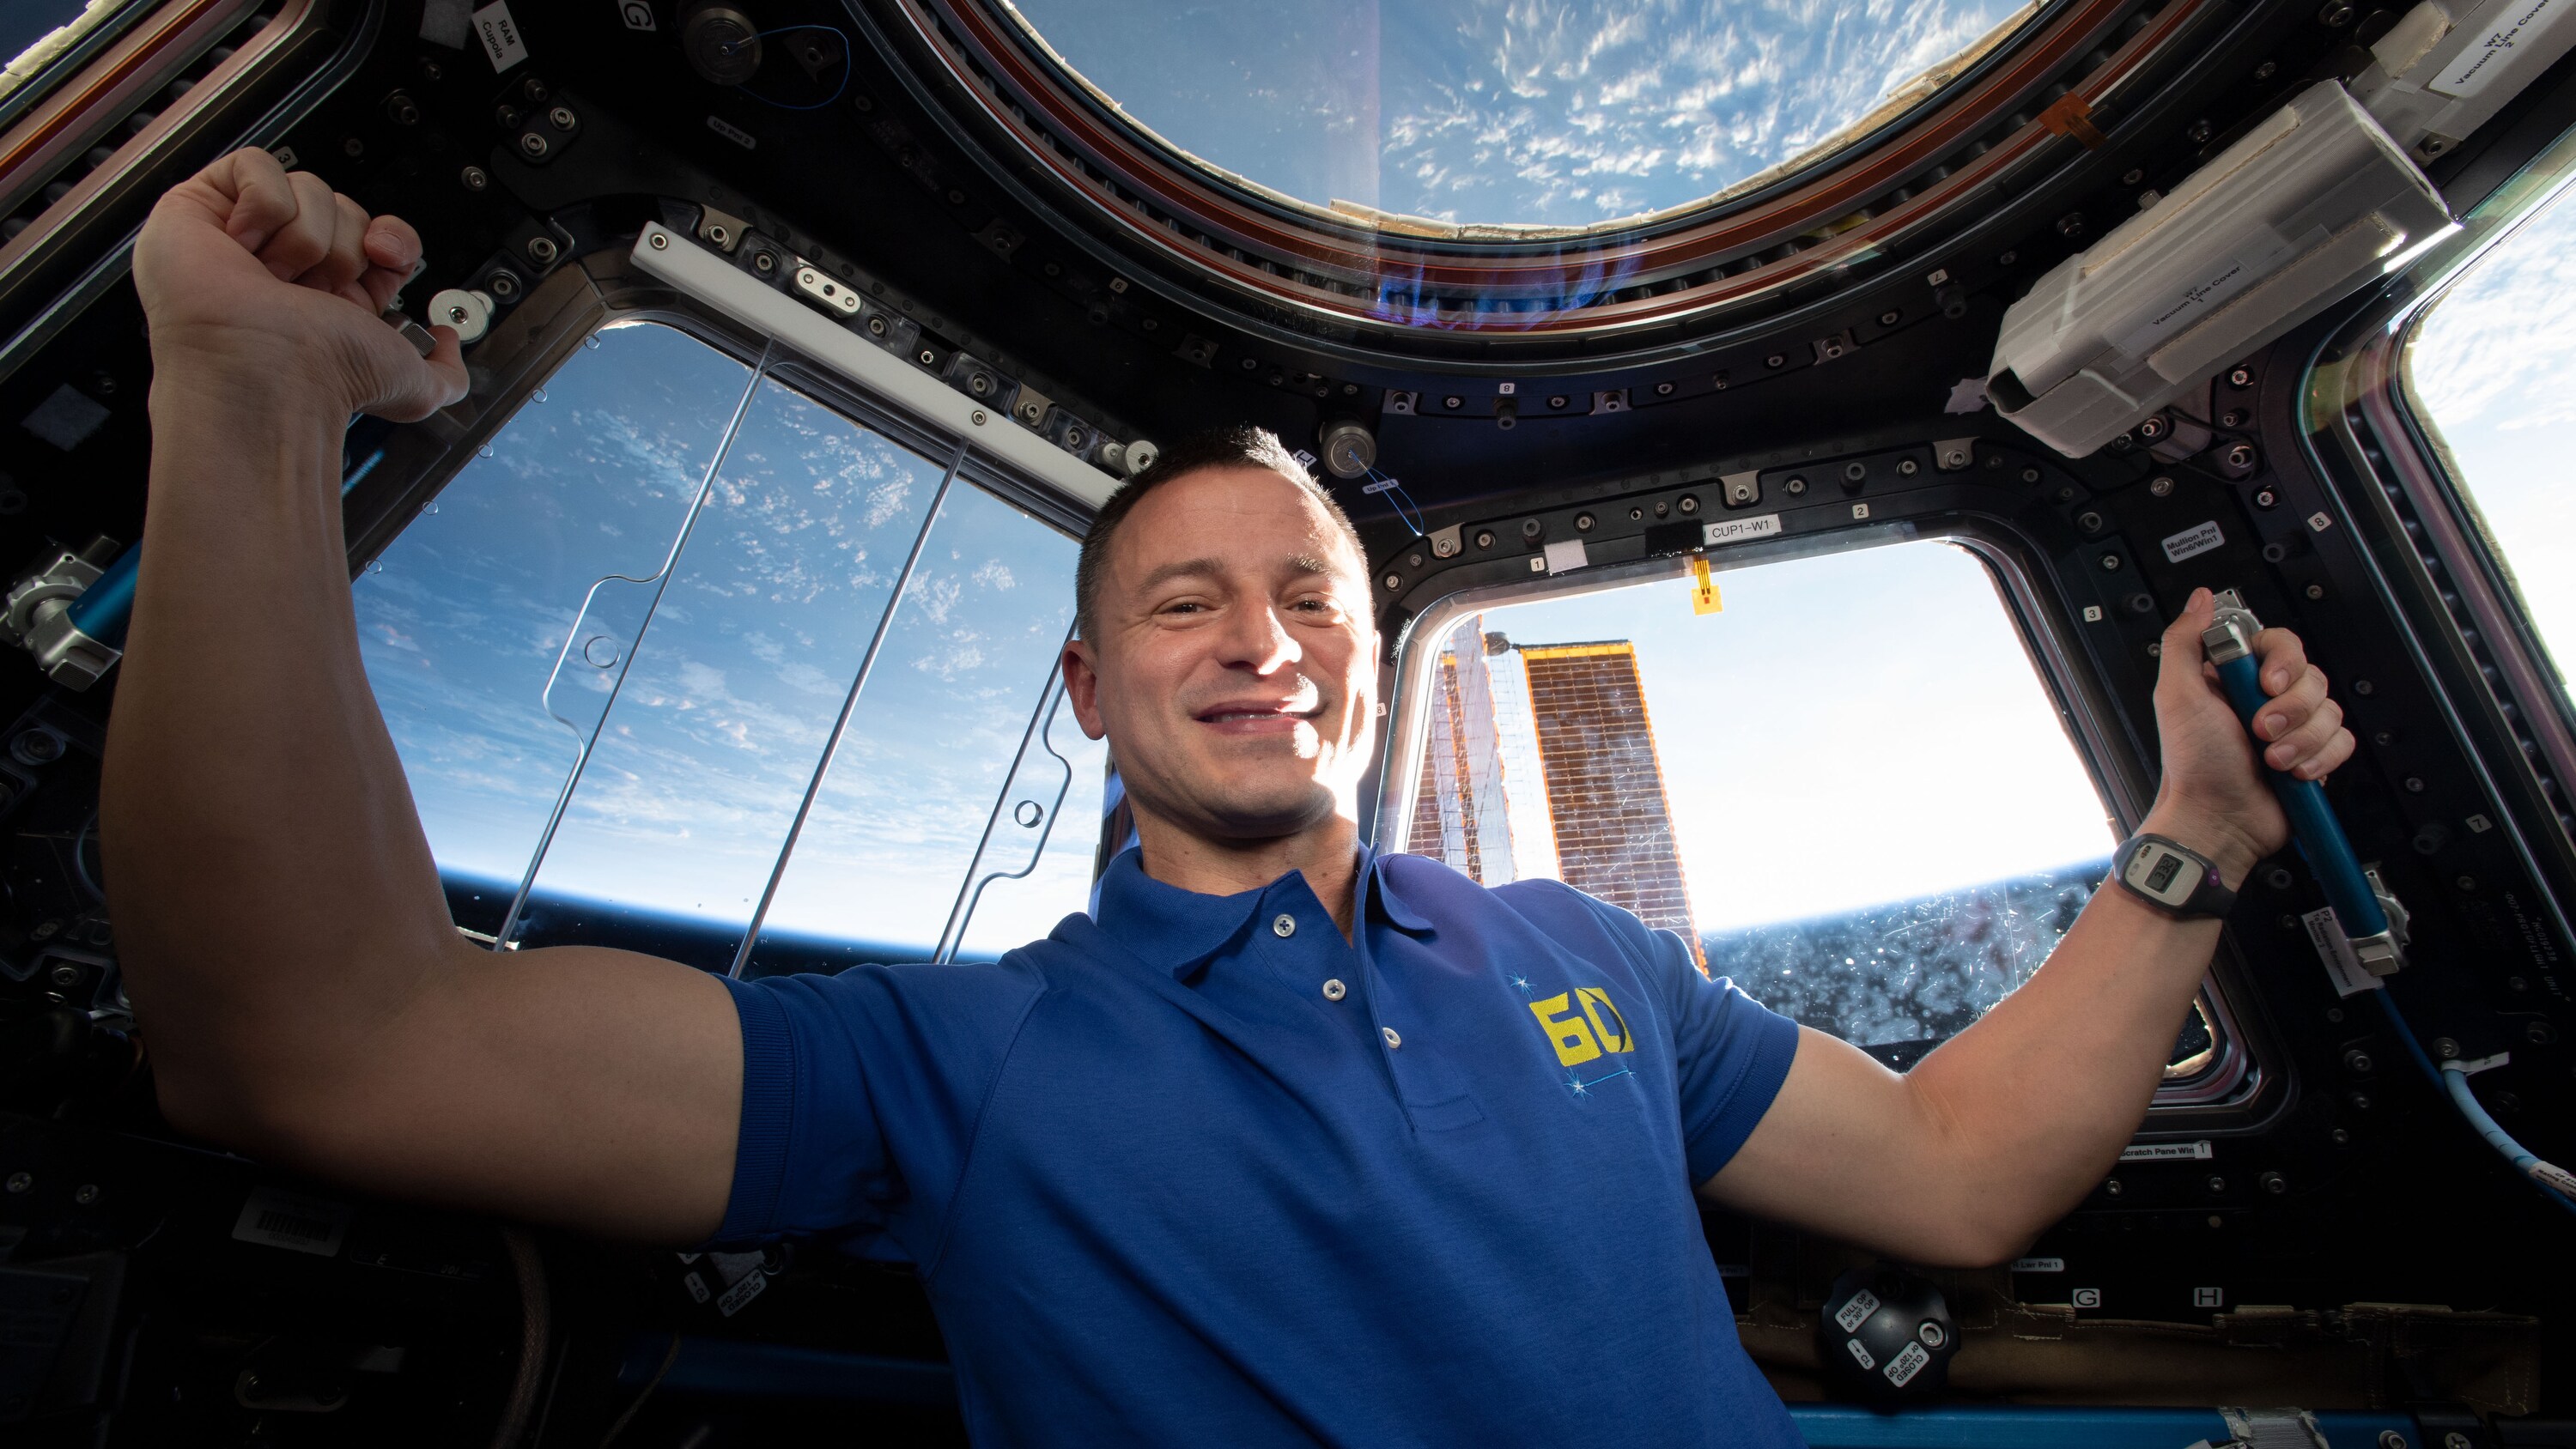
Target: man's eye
{"points": [[1184, 606]]}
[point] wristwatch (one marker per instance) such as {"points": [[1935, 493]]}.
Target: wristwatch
{"points": [[2174, 879]]}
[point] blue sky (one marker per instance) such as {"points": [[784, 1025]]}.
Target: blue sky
{"points": [[1563, 112], [1850, 729]]}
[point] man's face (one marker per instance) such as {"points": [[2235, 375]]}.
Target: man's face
{"points": [[1235, 672]]}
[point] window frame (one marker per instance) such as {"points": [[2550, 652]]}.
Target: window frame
{"points": [[2366, 432], [2233, 1084]]}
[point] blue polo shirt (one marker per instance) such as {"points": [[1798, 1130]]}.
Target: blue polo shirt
{"points": [[1200, 1171]]}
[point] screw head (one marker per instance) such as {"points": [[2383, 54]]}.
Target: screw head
{"points": [[2445, 1049], [543, 251], [2160, 486], [562, 118], [2265, 498], [2241, 456], [2455, 1440], [1395, 581], [1484, 539], [1890, 317], [21, 1181], [2539, 1033], [2216, 1183], [1688, 503], [1795, 486], [2273, 1183], [1583, 523], [2089, 521], [2391, 1439], [85, 1194], [66, 974], [533, 146], [2110, 563]]}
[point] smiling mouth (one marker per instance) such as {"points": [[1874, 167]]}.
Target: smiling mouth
{"points": [[1258, 715]]}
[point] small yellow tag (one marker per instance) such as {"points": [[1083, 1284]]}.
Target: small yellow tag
{"points": [[1704, 595]]}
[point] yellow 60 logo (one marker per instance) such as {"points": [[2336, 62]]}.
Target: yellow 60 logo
{"points": [[1582, 1025]]}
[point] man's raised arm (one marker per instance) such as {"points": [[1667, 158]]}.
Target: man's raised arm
{"points": [[300, 986], [2003, 1128]]}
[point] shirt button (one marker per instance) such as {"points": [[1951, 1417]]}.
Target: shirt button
{"points": [[1334, 990], [1392, 1040], [1283, 925]]}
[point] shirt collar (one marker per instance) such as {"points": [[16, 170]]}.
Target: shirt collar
{"points": [[1169, 926]]}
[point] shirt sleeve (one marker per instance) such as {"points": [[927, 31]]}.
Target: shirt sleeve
{"points": [[1730, 1055], [860, 1093]]}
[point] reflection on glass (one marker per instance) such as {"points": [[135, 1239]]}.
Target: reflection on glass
{"points": [[967, 658], [1847, 787], [669, 838], [463, 617], [2489, 366], [1515, 112], [1014, 910]]}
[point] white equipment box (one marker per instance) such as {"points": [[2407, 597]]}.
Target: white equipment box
{"points": [[2304, 208]]}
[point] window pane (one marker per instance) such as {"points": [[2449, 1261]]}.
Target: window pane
{"points": [[967, 659], [2489, 365], [1478, 111], [461, 620], [1848, 787], [668, 841]]}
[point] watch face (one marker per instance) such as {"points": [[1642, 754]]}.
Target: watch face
{"points": [[2162, 873]]}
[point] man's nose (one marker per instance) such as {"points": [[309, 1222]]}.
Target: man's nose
{"points": [[1258, 640]]}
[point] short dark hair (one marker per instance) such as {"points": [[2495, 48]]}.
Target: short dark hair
{"points": [[1239, 446]]}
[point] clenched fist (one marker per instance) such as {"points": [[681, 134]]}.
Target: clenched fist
{"points": [[2213, 798], [255, 279]]}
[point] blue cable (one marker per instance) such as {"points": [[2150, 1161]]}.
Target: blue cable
{"points": [[2454, 1084], [1397, 499], [2357, 909]]}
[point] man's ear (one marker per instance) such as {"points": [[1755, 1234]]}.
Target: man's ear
{"points": [[1082, 687]]}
